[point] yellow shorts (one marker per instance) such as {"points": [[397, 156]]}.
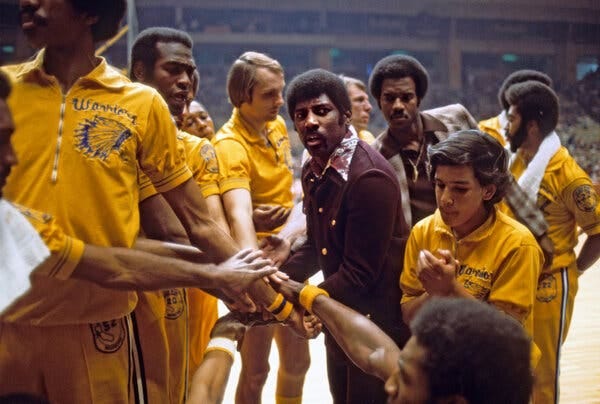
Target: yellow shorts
{"points": [[79, 363], [552, 312], [161, 323], [202, 317]]}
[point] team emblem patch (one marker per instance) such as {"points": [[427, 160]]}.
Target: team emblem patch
{"points": [[207, 152], [546, 289], [586, 198], [175, 303], [100, 136], [108, 335]]}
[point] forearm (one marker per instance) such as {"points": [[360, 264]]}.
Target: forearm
{"points": [[127, 269], [159, 222], [238, 210], [590, 252], [171, 250], [203, 232], [215, 207], [359, 337]]}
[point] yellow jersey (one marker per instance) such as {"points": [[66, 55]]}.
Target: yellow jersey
{"points": [[567, 199], [201, 159], [78, 161], [499, 262], [494, 128], [249, 161]]}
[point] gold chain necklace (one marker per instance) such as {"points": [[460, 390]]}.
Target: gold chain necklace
{"points": [[415, 165]]}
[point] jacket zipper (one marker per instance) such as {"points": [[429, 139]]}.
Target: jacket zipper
{"points": [[54, 176]]}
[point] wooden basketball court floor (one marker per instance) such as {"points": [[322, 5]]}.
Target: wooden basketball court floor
{"points": [[580, 362]]}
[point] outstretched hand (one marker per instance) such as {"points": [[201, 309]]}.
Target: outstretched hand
{"points": [[237, 273], [276, 248]]}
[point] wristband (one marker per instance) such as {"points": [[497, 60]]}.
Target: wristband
{"points": [[280, 308], [285, 311], [276, 303], [221, 344], [308, 294]]}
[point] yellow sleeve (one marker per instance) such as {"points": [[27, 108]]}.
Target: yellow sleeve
{"points": [[146, 187], [65, 251], [581, 198], [202, 160], [515, 285], [409, 283], [234, 166], [159, 156]]}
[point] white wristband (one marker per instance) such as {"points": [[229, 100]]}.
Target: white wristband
{"points": [[222, 344]]}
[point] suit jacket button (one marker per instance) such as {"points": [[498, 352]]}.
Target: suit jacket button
{"points": [[333, 222], [324, 251], [320, 210]]}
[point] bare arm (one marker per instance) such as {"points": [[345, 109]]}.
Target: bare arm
{"points": [[159, 222], [172, 250], [215, 208], [590, 252], [238, 210], [127, 269], [210, 380], [189, 205], [366, 345]]}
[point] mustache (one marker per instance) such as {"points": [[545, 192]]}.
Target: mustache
{"points": [[399, 114], [31, 10]]}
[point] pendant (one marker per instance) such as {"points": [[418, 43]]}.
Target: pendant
{"points": [[415, 174]]}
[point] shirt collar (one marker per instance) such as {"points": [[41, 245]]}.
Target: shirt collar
{"points": [[481, 233], [246, 131], [433, 131], [433, 126], [105, 75], [340, 158]]}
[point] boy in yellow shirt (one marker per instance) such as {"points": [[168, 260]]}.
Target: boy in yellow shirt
{"points": [[468, 248]]}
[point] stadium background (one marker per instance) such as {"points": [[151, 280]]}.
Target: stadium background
{"points": [[468, 47]]}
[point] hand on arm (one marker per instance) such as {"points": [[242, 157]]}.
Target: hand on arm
{"points": [[267, 218], [278, 248]]}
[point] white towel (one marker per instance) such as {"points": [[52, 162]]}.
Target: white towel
{"points": [[532, 176], [21, 251]]}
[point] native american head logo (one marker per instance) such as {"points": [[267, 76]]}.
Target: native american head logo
{"points": [[100, 136]]}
